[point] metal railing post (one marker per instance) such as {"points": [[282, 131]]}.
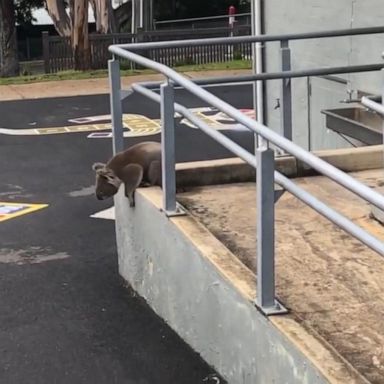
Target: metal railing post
{"points": [[46, 55], [286, 91], [116, 108], [257, 68], [265, 196], [168, 148], [382, 97]]}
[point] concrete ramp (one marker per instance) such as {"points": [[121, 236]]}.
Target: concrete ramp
{"points": [[197, 272]]}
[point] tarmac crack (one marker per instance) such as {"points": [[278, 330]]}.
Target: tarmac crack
{"points": [[31, 255]]}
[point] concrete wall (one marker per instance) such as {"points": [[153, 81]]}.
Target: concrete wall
{"points": [[165, 260], [314, 94]]}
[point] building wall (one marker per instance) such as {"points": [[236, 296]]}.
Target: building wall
{"points": [[312, 95]]}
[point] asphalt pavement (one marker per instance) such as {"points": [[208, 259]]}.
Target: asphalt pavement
{"points": [[66, 316]]}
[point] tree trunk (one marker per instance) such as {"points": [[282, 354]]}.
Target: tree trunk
{"points": [[80, 38], [9, 63], [123, 14], [60, 18], [104, 16]]}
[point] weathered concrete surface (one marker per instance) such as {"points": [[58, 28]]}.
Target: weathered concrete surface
{"points": [[206, 294], [331, 282]]}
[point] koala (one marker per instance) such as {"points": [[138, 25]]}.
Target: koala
{"points": [[137, 166]]}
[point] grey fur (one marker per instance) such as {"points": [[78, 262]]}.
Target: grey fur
{"points": [[139, 165]]}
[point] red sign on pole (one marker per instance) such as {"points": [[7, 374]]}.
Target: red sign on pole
{"points": [[231, 13]]}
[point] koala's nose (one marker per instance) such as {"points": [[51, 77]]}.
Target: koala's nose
{"points": [[99, 196]]}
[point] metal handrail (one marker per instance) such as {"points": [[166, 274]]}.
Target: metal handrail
{"points": [[335, 217], [253, 39], [369, 103], [200, 18], [315, 162], [263, 162], [279, 75]]}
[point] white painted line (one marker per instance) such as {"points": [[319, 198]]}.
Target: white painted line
{"points": [[100, 135], [107, 214]]}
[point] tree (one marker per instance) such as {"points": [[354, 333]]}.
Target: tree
{"points": [[75, 24], [104, 16], [12, 11], [9, 64], [57, 11], [122, 15], [24, 8], [79, 35], [107, 19]]}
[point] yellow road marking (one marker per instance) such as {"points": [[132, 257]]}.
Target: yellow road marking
{"points": [[11, 210], [134, 124]]}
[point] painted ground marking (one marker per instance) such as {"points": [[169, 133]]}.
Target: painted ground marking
{"points": [[12, 210], [135, 125]]}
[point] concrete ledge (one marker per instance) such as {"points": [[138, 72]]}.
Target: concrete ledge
{"points": [[349, 159], [206, 295], [235, 170]]}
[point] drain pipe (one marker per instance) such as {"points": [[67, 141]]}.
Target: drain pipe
{"points": [[257, 64]]}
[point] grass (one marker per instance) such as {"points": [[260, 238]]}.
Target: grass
{"points": [[79, 75]]}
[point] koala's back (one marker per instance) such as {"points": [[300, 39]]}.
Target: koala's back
{"points": [[143, 154]]}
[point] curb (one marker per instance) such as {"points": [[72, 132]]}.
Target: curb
{"points": [[235, 170]]}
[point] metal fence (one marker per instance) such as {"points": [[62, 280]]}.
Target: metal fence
{"points": [[203, 22], [30, 49], [57, 51], [263, 160]]}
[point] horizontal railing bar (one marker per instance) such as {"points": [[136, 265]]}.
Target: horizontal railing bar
{"points": [[197, 31], [253, 39], [335, 217], [280, 75], [313, 161], [369, 103], [300, 73], [200, 18]]}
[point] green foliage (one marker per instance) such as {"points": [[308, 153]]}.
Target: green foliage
{"points": [[24, 8]]}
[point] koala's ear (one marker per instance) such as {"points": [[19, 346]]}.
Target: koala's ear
{"points": [[97, 166]]}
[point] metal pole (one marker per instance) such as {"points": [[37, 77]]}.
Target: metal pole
{"points": [[116, 109], [47, 67], [265, 195], [168, 147], [382, 99], [141, 13], [265, 228], [286, 91], [257, 67]]}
